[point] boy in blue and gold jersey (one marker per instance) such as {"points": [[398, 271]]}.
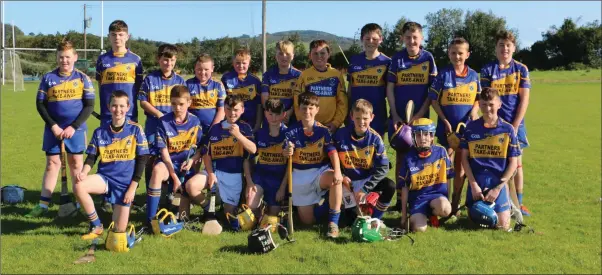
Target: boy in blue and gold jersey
{"points": [[65, 100], [453, 95], [367, 75], [511, 79], [490, 154], [423, 178], [207, 94], [313, 154], [226, 147], [118, 69], [364, 158], [247, 85], [268, 177], [327, 83], [177, 132], [121, 148], [279, 81], [154, 96], [411, 73]]}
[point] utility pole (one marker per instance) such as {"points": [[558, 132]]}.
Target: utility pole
{"points": [[263, 19], [85, 26]]}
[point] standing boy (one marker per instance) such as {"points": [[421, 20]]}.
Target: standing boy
{"points": [[248, 86], [279, 81], [410, 75], [154, 96], [325, 82], [367, 74], [511, 79], [313, 154], [65, 100], [118, 69], [454, 99], [207, 94]]}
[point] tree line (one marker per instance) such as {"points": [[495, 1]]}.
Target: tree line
{"points": [[567, 47]]}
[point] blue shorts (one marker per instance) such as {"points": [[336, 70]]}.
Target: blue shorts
{"points": [[422, 205], [74, 145], [486, 180], [521, 135], [270, 187], [115, 191]]}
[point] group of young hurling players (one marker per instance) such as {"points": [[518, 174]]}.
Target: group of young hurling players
{"points": [[247, 129]]}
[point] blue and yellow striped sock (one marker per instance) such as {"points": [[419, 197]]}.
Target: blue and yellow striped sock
{"points": [[520, 198], [94, 220], [44, 201], [380, 210], [333, 216], [152, 202]]}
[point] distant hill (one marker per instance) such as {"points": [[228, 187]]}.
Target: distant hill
{"points": [[306, 36]]}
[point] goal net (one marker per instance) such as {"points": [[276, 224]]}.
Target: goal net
{"points": [[13, 74]]}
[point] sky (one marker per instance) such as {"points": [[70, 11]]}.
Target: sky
{"points": [[180, 21]]}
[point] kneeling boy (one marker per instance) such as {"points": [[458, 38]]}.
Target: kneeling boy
{"points": [[309, 143], [122, 150], [423, 178]]}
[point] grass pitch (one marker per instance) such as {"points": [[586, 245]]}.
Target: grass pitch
{"points": [[562, 189]]}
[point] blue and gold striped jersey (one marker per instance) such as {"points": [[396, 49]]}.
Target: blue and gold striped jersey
{"points": [[313, 150], [489, 148], [205, 99], [119, 71], [117, 151], [425, 175], [226, 152], [280, 86], [329, 86], [65, 94], [412, 76], [359, 156], [271, 164], [249, 86], [456, 95], [507, 81], [367, 80], [156, 90], [178, 137]]}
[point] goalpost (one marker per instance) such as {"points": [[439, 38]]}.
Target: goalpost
{"points": [[14, 73]]}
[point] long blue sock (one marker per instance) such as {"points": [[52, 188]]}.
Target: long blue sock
{"points": [[520, 198], [333, 216], [380, 210], [44, 201], [94, 220], [152, 202]]}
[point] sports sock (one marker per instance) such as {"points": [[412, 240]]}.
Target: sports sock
{"points": [[94, 220], [520, 198], [380, 209], [333, 216], [152, 202], [44, 201]]}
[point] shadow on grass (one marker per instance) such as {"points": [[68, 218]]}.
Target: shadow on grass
{"points": [[240, 249]]}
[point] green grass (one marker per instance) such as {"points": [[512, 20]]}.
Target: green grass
{"points": [[562, 171]]}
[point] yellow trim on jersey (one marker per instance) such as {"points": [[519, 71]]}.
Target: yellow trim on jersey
{"points": [[358, 158], [415, 75], [247, 92], [508, 85], [490, 147], [271, 155], [464, 94], [183, 141], [68, 90], [120, 150], [160, 97], [431, 174], [205, 100], [284, 89], [122, 73], [226, 148], [370, 77], [312, 153]]}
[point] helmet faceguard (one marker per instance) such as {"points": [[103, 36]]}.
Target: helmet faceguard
{"points": [[419, 127]]}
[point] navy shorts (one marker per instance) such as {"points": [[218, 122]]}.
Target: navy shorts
{"points": [[270, 188], [115, 191], [74, 145], [488, 180], [422, 205]]}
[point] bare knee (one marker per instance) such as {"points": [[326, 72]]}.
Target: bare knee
{"points": [[416, 228], [159, 175], [53, 163], [418, 223], [503, 221]]}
